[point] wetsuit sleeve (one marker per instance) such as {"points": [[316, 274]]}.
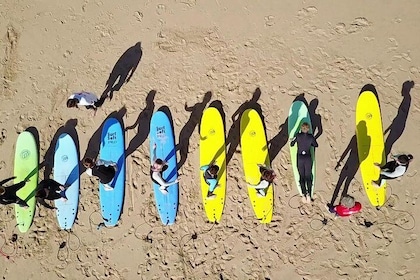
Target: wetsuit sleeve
{"points": [[6, 180], [399, 171], [204, 167], [293, 142], [262, 185], [21, 202], [388, 166]]}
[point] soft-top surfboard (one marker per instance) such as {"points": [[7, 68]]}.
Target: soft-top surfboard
{"points": [[161, 134], [213, 149], [370, 145], [113, 149], [26, 167], [298, 114], [66, 172], [255, 153]]}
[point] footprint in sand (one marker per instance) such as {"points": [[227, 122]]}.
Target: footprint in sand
{"points": [[3, 135], [415, 197]]}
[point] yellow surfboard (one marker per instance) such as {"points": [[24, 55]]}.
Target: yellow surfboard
{"points": [[212, 149], [255, 153], [370, 145]]}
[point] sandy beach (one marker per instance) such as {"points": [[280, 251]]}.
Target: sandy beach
{"points": [[189, 54]]}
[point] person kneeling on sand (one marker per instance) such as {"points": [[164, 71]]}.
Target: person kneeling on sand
{"points": [[393, 169], [51, 190], [347, 207], [267, 178], [102, 169], [8, 194], [156, 170], [87, 99], [210, 177]]}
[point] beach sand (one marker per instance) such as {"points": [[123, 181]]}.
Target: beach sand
{"points": [[234, 49]]}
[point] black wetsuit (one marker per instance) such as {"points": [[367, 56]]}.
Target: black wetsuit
{"points": [[304, 160], [10, 194], [104, 173], [52, 192]]}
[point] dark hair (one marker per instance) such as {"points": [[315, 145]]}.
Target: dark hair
{"points": [[268, 175], [72, 102], [405, 159], [88, 161], [41, 193], [159, 161], [213, 169]]}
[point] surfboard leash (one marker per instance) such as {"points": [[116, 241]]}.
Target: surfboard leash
{"points": [[13, 240]]}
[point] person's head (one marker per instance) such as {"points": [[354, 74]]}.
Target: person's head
{"points": [[348, 201], [72, 102], [158, 164], [304, 127], [268, 175], [41, 193], [2, 190], [88, 162], [404, 159], [213, 170]]}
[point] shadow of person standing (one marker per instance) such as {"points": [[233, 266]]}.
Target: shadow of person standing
{"points": [[397, 126], [315, 118], [349, 169], [278, 141], [122, 72], [188, 129], [233, 136], [142, 123]]}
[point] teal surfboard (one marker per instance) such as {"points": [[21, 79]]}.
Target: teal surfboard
{"points": [[66, 172], [299, 114]]}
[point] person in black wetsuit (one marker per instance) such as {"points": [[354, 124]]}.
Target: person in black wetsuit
{"points": [[393, 169], [8, 194], [104, 170], [305, 141], [50, 190]]}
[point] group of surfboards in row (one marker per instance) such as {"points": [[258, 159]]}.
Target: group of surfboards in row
{"points": [[259, 176]]}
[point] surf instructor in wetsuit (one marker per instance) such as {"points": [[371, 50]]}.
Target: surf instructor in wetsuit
{"points": [[304, 141]]}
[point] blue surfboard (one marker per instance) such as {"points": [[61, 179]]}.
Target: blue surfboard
{"points": [[161, 133], [66, 172], [112, 149]]}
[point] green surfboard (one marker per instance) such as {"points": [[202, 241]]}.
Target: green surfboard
{"points": [[299, 114], [26, 167]]}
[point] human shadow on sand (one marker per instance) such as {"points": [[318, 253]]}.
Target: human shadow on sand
{"points": [[396, 128], [92, 150], [188, 129], [142, 123], [233, 135], [122, 72]]}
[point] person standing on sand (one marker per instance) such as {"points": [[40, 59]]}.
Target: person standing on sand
{"points": [[8, 194], [393, 169], [86, 99], [51, 190], [305, 141], [103, 169]]}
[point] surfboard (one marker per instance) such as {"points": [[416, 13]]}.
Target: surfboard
{"points": [[112, 148], [254, 153], [66, 172], [213, 149], [26, 167], [298, 114], [161, 133], [370, 145]]}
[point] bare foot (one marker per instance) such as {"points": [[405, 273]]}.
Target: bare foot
{"points": [[375, 184], [303, 199], [308, 199], [64, 199]]}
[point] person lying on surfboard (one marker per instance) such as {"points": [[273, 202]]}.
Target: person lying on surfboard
{"points": [[8, 194], [305, 141], [210, 176], [267, 178], [87, 99], [393, 169], [50, 190], [348, 206], [103, 169], [156, 170]]}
